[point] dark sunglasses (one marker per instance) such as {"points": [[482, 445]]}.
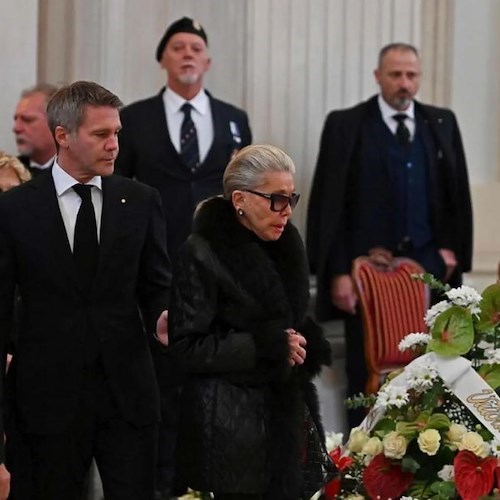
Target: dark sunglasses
{"points": [[278, 201]]}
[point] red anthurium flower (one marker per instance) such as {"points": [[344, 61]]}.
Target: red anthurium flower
{"points": [[473, 475], [341, 462], [332, 489], [383, 478]]}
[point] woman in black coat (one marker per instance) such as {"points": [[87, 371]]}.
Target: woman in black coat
{"points": [[238, 325]]}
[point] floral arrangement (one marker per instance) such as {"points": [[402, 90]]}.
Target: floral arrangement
{"points": [[433, 430]]}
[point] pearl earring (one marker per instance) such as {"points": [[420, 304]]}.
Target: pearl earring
{"points": [[240, 212]]}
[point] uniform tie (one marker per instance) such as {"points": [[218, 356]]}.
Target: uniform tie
{"points": [[85, 245], [402, 132], [189, 140]]}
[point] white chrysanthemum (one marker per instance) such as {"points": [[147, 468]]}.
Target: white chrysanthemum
{"points": [[412, 340], [435, 311], [483, 344], [465, 296], [392, 395], [447, 473], [421, 376], [494, 447], [492, 355], [333, 440]]}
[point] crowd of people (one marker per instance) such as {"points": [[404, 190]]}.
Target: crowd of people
{"points": [[154, 293]]}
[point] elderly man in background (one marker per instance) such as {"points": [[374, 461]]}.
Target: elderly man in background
{"points": [[34, 140], [180, 142], [391, 180]]}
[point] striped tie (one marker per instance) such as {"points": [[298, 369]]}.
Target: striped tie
{"points": [[189, 140]]}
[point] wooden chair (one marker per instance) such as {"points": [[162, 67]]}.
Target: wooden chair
{"points": [[392, 305]]}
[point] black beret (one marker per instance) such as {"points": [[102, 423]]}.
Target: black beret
{"points": [[183, 25]]}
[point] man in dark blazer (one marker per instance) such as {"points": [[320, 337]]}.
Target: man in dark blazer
{"points": [[86, 251], [150, 143], [34, 139], [385, 189], [151, 151]]}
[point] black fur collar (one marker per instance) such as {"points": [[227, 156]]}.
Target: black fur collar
{"points": [[275, 273]]}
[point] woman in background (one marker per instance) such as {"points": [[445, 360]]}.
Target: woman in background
{"points": [[238, 326], [12, 172]]}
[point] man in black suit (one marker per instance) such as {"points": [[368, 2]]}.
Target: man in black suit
{"points": [[391, 179], [86, 250], [185, 171], [34, 140], [151, 149]]}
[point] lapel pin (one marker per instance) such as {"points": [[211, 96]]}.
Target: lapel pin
{"points": [[123, 200], [440, 120]]}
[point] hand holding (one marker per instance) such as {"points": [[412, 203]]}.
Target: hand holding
{"points": [[296, 347], [450, 261], [162, 328], [343, 293]]}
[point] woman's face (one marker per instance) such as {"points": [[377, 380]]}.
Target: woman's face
{"points": [[257, 215], [8, 178]]}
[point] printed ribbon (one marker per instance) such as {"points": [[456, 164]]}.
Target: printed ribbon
{"points": [[459, 376]]}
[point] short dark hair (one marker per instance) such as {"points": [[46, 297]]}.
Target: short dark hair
{"points": [[406, 47], [66, 108]]}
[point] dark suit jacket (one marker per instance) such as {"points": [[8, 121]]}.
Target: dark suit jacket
{"points": [[336, 173], [147, 153], [130, 290]]}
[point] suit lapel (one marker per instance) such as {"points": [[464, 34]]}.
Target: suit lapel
{"points": [[48, 214]]}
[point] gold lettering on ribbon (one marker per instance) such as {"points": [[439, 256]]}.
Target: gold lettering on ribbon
{"points": [[487, 404]]}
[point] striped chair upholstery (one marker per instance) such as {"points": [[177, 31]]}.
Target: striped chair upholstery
{"points": [[392, 305]]}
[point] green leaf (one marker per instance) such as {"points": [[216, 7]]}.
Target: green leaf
{"points": [[491, 373], [439, 421], [443, 489], [385, 425], [409, 464], [420, 490], [452, 333], [490, 309]]}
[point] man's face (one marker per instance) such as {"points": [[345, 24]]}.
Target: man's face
{"points": [[91, 150], [399, 78], [31, 128], [186, 59]]}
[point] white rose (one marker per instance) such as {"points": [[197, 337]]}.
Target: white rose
{"points": [[455, 434], [372, 447], [472, 441], [357, 440], [429, 441], [394, 445]]}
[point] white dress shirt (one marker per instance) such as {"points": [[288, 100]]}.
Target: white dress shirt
{"points": [[69, 201], [201, 115], [388, 112]]}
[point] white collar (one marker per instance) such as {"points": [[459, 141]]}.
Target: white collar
{"points": [[200, 101], [63, 181], [388, 112]]}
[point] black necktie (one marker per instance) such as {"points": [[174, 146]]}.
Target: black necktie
{"points": [[402, 132], [85, 246], [189, 140]]}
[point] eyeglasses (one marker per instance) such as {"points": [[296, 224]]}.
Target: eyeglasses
{"points": [[278, 201]]}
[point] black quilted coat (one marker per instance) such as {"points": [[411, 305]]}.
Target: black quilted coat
{"points": [[242, 417]]}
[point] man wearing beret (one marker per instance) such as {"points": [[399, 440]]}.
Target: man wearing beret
{"points": [[179, 141], [186, 169]]}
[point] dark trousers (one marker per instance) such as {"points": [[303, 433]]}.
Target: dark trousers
{"points": [[54, 467]]}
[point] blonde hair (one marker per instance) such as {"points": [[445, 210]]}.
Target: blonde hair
{"points": [[9, 161], [247, 168]]}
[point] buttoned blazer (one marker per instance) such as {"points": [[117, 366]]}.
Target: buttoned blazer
{"points": [[130, 289]]}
